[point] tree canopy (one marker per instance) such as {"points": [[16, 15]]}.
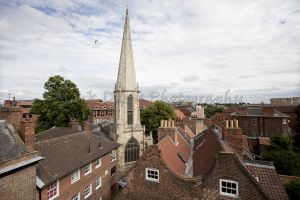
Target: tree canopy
{"points": [[60, 105], [211, 109], [151, 116], [282, 154], [293, 189]]}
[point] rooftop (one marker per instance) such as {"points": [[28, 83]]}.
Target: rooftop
{"points": [[64, 154]]}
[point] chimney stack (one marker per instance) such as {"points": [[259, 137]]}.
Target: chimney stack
{"points": [[87, 127], [27, 132], [167, 127], [74, 125]]}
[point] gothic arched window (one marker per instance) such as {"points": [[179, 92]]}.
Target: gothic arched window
{"points": [[130, 110], [132, 150]]}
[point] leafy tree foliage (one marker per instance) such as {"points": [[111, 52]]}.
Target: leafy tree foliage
{"points": [[293, 189], [61, 103], [297, 130], [281, 142], [210, 110], [151, 116], [284, 158], [286, 161]]}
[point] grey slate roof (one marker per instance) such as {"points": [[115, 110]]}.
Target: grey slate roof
{"points": [[55, 132], [65, 154], [11, 145]]}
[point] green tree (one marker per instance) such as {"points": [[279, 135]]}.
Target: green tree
{"points": [[281, 142], [293, 189], [211, 109], [282, 155], [286, 161], [151, 116], [61, 103]]}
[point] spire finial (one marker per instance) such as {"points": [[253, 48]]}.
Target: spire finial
{"points": [[126, 10]]}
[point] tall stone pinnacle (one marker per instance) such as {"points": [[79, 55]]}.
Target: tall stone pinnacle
{"points": [[126, 75]]}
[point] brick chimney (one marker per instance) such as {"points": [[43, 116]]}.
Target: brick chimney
{"points": [[87, 127], [167, 127], [267, 110], [233, 135], [27, 132], [73, 124]]}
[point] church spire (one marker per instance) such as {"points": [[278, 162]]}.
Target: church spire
{"points": [[126, 75]]}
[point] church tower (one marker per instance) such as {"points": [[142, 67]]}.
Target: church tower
{"points": [[128, 129]]}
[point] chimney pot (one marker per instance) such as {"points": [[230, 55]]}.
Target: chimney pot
{"points": [[226, 123]]}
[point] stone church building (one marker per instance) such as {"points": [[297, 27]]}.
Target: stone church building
{"points": [[128, 129]]}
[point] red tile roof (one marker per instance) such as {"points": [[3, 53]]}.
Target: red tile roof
{"points": [[175, 153], [268, 178], [206, 149]]}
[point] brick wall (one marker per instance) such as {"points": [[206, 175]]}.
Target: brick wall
{"points": [[265, 127], [171, 186], [19, 185], [12, 116], [68, 190], [227, 167]]}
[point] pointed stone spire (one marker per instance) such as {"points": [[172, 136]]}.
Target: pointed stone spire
{"points": [[126, 75]]}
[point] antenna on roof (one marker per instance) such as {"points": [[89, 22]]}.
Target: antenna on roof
{"points": [[90, 149]]}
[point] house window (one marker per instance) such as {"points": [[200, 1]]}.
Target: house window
{"points": [[88, 191], [75, 176], [53, 190], [98, 182], [284, 121], [254, 121], [229, 188], [130, 110], [254, 134], [87, 169], [132, 150], [98, 163], [113, 155], [152, 174], [113, 171], [76, 197]]}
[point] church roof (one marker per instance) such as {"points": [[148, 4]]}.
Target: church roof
{"points": [[126, 75]]}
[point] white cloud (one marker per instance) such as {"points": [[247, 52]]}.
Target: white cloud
{"points": [[197, 47]]}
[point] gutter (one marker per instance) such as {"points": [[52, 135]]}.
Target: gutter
{"points": [[19, 165]]}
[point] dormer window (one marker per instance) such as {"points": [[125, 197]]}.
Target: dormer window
{"points": [[152, 174], [229, 188]]}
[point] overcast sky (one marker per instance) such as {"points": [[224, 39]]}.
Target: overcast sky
{"points": [[247, 48]]}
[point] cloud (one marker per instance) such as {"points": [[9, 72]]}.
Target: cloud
{"points": [[197, 47]]}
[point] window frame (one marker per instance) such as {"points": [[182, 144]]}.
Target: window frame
{"points": [[99, 165], [78, 178], [91, 191], [254, 121], [90, 169], [150, 178], [229, 194], [76, 195], [100, 183], [57, 190], [113, 155]]}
